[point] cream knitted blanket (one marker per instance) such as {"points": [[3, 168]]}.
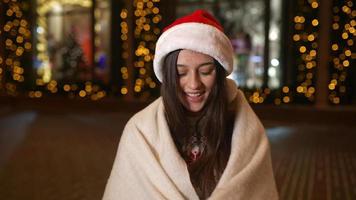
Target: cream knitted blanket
{"points": [[148, 165]]}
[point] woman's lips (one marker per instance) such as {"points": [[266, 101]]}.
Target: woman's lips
{"points": [[194, 97]]}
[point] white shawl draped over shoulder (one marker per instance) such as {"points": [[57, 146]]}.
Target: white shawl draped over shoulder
{"points": [[148, 165]]}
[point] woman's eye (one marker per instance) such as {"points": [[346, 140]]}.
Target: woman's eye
{"points": [[181, 73], [207, 72]]}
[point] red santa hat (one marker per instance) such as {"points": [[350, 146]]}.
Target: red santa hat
{"points": [[199, 32]]}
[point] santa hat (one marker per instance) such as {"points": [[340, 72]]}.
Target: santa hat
{"points": [[199, 32]]}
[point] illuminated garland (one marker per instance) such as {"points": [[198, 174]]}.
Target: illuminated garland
{"points": [[17, 38], [146, 31], [125, 50], [343, 49], [306, 34]]}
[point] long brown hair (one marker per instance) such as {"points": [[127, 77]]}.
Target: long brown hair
{"points": [[205, 172]]}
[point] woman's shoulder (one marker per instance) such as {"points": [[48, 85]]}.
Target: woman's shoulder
{"points": [[146, 123], [148, 113]]}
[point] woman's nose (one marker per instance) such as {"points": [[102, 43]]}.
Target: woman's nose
{"points": [[194, 81]]}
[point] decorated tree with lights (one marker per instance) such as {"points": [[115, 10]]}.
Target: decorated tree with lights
{"points": [[74, 67]]}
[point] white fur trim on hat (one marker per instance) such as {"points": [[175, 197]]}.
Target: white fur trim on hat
{"points": [[197, 37]]}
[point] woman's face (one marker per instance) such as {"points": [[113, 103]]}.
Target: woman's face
{"points": [[196, 74]]}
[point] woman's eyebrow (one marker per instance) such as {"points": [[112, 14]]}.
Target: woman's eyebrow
{"points": [[202, 64]]}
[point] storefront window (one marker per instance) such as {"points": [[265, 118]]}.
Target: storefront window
{"points": [[244, 22], [71, 47]]}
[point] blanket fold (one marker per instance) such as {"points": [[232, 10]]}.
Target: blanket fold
{"points": [[148, 165]]}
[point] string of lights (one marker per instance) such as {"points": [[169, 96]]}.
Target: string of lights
{"points": [[146, 34], [16, 33], [16, 36], [306, 48], [343, 52], [306, 33]]}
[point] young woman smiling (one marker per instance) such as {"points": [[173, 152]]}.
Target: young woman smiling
{"points": [[201, 139]]}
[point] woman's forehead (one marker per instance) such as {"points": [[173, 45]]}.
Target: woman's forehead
{"points": [[187, 55]]}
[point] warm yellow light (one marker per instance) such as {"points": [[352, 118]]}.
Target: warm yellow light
{"points": [[137, 88], [311, 90], [296, 37], [123, 14], [38, 94], [7, 28], [142, 71], [149, 4], [299, 89], [9, 12], [147, 58], [31, 94], [101, 94], [353, 13], [335, 26], [335, 47], [286, 99], [124, 90], [301, 19], [152, 85], [346, 63], [155, 10], [331, 86], [123, 70], [348, 53], [336, 100], [8, 42], [140, 64], [353, 22], [309, 75], [311, 37], [336, 61], [315, 4], [315, 22], [345, 36], [296, 19], [155, 19], [8, 61], [139, 82], [19, 51], [312, 53], [28, 45], [139, 5], [19, 39], [66, 87], [88, 88], [309, 65], [302, 49], [146, 27], [346, 9], [350, 42], [82, 93], [285, 89]]}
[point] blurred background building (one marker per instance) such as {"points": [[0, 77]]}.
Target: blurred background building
{"points": [[72, 72], [299, 52]]}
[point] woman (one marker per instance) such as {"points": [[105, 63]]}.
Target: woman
{"points": [[201, 139]]}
